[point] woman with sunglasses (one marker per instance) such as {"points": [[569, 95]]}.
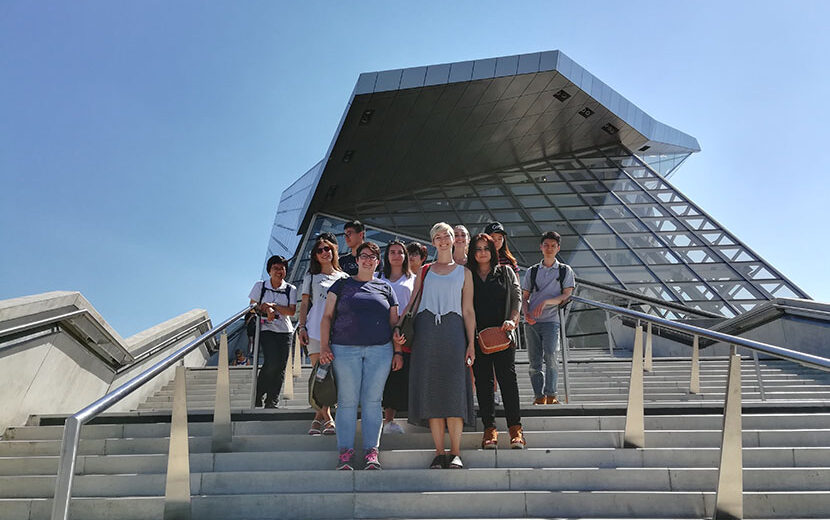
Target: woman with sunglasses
{"points": [[496, 300], [323, 272], [356, 336], [397, 274]]}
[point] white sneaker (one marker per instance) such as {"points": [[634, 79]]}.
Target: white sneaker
{"points": [[392, 428]]}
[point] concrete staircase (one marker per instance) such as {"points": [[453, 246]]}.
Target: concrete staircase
{"points": [[574, 467]]}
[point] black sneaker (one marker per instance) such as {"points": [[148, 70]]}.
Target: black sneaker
{"points": [[439, 462]]}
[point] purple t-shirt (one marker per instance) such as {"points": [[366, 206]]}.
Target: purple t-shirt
{"points": [[361, 316]]}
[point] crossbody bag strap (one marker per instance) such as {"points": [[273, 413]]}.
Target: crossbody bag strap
{"points": [[507, 286], [414, 309]]}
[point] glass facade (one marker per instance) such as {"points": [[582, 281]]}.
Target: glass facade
{"points": [[622, 223]]}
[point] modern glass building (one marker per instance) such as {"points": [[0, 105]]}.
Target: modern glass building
{"points": [[537, 143]]}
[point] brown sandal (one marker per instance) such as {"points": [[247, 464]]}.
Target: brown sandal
{"points": [[490, 441]]}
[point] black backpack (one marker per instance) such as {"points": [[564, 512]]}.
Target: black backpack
{"points": [[563, 270]]}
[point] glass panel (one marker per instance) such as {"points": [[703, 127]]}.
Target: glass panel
{"points": [[633, 274], [535, 201], [596, 274], [524, 189], [674, 273], [544, 215], [605, 242], [580, 258], [566, 200], [587, 227], [614, 257], [576, 213]]}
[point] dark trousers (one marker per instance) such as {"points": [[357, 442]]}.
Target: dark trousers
{"points": [[275, 347], [396, 391], [503, 364]]}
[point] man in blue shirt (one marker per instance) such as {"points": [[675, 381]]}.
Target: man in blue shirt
{"points": [[545, 286]]}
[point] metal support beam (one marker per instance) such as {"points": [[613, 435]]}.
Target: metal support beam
{"points": [[758, 377], [255, 364], [729, 503], [647, 361], [635, 436], [222, 434], [694, 377], [177, 488]]}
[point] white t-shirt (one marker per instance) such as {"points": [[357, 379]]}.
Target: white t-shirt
{"points": [[317, 287], [284, 295], [403, 288]]}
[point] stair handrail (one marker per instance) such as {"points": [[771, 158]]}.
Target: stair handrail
{"points": [[73, 423], [729, 492], [802, 358]]}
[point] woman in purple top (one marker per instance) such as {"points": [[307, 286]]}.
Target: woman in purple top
{"points": [[356, 336]]}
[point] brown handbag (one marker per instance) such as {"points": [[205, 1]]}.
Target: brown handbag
{"points": [[494, 339]]}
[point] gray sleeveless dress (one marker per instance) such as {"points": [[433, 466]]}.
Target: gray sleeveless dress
{"points": [[440, 383]]}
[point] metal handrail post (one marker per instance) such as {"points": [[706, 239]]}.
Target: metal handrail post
{"points": [[563, 341], [694, 376], [177, 480], [758, 376], [66, 468], [729, 501], [608, 331], [72, 425], [634, 436], [222, 429], [647, 361], [255, 364]]}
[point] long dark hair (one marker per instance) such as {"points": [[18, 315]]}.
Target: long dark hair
{"points": [[387, 267], [494, 254], [315, 267], [505, 252]]}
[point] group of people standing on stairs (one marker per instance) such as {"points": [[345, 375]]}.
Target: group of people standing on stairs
{"points": [[352, 311]]}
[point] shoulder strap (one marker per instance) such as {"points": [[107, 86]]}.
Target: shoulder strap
{"points": [[563, 270], [262, 292], [533, 272]]}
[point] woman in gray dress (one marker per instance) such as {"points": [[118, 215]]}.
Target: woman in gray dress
{"points": [[440, 382]]}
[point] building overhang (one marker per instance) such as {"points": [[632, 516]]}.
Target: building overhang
{"points": [[406, 129]]}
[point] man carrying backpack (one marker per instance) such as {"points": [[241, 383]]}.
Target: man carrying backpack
{"points": [[545, 287]]}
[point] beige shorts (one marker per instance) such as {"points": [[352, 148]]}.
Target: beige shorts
{"points": [[313, 346]]}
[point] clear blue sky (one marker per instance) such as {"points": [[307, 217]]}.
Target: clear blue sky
{"points": [[144, 145]]}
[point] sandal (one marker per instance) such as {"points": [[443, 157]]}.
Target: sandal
{"points": [[315, 429], [439, 462], [328, 427], [454, 462]]}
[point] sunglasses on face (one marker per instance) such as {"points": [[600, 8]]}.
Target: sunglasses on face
{"points": [[481, 249], [323, 249]]}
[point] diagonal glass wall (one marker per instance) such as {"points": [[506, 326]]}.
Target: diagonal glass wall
{"points": [[622, 225]]}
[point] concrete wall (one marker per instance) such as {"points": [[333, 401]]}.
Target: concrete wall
{"points": [[55, 373]]}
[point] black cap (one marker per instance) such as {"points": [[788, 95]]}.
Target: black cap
{"points": [[495, 227]]}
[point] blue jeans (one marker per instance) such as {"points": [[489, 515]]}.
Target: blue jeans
{"points": [[542, 344], [360, 372]]}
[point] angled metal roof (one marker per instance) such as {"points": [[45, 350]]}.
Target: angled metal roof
{"points": [[409, 128]]}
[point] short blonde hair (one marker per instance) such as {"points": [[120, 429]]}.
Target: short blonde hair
{"points": [[439, 227]]}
